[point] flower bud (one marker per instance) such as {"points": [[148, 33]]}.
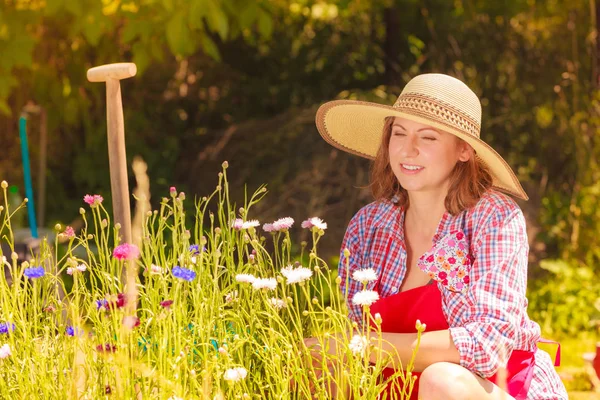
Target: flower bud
{"points": [[225, 164], [4, 184], [81, 210]]}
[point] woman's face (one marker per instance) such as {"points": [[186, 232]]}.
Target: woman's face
{"points": [[422, 157]]}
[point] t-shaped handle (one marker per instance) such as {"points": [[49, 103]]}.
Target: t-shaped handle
{"points": [[117, 156]]}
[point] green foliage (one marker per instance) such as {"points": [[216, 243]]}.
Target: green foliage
{"points": [[565, 302]]}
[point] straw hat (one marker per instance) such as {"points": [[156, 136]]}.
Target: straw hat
{"points": [[438, 100]]}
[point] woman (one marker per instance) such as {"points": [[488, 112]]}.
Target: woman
{"points": [[448, 247]]}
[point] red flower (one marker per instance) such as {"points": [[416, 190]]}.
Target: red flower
{"points": [[466, 279], [460, 235], [442, 275], [452, 260], [466, 261], [445, 282], [430, 258], [106, 348], [166, 303]]}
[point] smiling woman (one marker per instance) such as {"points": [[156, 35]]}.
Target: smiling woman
{"points": [[449, 250]]}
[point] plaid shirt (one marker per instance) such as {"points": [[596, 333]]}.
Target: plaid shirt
{"points": [[491, 314]]}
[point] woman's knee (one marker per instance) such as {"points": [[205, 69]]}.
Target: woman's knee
{"points": [[444, 380]]}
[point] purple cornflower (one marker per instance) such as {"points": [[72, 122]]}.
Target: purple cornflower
{"points": [[194, 249], [183, 273], [73, 331], [34, 272], [6, 327], [102, 303]]}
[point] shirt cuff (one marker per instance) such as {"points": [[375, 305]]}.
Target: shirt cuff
{"points": [[464, 343]]}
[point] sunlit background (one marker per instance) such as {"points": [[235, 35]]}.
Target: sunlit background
{"points": [[240, 80]]}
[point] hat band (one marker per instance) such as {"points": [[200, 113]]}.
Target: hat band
{"points": [[437, 111]]}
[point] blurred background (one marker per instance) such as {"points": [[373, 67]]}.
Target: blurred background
{"points": [[240, 80]]}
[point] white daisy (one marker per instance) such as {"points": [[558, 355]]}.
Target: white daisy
{"points": [[314, 222], [250, 224], [5, 351], [245, 278], [364, 275], [365, 297], [235, 374], [264, 283], [296, 275], [358, 344], [278, 304]]}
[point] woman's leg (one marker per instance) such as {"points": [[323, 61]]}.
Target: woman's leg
{"points": [[451, 381]]}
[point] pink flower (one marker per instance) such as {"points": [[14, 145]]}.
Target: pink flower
{"points": [[268, 228], [282, 224], [93, 200], [314, 222], [237, 224], [126, 251], [69, 232]]}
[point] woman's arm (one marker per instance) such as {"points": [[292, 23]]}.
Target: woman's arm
{"points": [[435, 346]]}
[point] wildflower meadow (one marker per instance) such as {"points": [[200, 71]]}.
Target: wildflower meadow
{"points": [[217, 310]]}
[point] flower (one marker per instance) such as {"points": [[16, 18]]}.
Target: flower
{"points": [[73, 331], [278, 304], [296, 275], [237, 224], [166, 303], [365, 297], [358, 344], [101, 304], [6, 327], [245, 278], [250, 224], [264, 283], [93, 200], [314, 222], [194, 249], [68, 232], [34, 272], [155, 270], [126, 251], [79, 268], [231, 297], [5, 351], [268, 228], [183, 273], [365, 275], [106, 348], [235, 374], [281, 224]]}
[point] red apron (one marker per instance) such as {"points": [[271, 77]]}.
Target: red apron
{"points": [[399, 314]]}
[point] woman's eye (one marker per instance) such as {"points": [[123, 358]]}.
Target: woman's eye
{"points": [[429, 138], [399, 134]]}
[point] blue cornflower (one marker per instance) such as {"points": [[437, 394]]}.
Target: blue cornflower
{"points": [[194, 249], [34, 272], [72, 331], [101, 303], [6, 327], [183, 273]]}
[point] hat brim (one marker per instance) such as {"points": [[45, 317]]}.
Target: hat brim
{"points": [[357, 128]]}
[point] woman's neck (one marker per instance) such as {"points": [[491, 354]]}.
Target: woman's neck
{"points": [[424, 213]]}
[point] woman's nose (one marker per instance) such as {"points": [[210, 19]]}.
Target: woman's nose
{"points": [[409, 146]]}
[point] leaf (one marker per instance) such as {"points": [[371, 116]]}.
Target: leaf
{"points": [[198, 11], [265, 24], [179, 35], [217, 20], [248, 14], [210, 48]]}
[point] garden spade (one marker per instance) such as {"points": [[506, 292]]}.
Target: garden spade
{"points": [[112, 75]]}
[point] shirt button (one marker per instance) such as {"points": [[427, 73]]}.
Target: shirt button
{"points": [[394, 289]]}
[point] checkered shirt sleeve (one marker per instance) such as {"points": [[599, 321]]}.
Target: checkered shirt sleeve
{"points": [[349, 264], [485, 328]]}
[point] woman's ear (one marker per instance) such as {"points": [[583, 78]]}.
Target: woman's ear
{"points": [[465, 151]]}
